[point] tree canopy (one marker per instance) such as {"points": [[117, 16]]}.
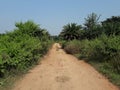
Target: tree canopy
{"points": [[70, 31]]}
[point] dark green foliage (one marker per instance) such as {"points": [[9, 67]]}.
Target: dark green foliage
{"points": [[93, 33], [91, 30], [91, 21], [31, 29], [55, 38], [42, 34], [111, 26], [70, 31], [92, 27]]}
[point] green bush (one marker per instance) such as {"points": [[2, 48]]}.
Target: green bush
{"points": [[16, 54], [85, 48], [106, 49], [115, 62], [103, 53], [103, 49], [19, 50]]}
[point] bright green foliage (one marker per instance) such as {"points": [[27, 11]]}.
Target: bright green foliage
{"points": [[103, 49], [103, 53], [28, 27], [98, 43], [20, 49]]}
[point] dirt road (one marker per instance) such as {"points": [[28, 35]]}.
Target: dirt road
{"points": [[60, 71]]}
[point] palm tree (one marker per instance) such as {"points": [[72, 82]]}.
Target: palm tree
{"points": [[28, 27], [70, 31], [32, 29]]}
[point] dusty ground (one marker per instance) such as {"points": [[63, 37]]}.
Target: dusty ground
{"points": [[60, 71]]}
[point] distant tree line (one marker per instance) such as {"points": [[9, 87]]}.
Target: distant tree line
{"points": [[92, 28]]}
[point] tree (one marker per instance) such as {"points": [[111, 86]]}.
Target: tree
{"points": [[111, 26], [28, 27], [31, 29], [42, 34], [92, 26], [91, 21], [70, 31]]}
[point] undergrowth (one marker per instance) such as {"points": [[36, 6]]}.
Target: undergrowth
{"points": [[20, 50], [102, 52]]}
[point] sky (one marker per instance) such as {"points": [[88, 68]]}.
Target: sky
{"points": [[54, 14]]}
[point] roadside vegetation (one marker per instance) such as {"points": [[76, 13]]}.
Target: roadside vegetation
{"points": [[21, 48], [97, 43]]}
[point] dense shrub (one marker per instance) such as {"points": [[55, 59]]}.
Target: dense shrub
{"points": [[102, 49], [111, 26], [19, 50], [19, 53], [98, 43], [108, 51], [105, 48]]}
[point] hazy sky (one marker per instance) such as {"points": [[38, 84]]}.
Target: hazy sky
{"points": [[53, 14]]}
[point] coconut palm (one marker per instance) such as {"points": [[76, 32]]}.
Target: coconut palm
{"points": [[70, 31]]}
